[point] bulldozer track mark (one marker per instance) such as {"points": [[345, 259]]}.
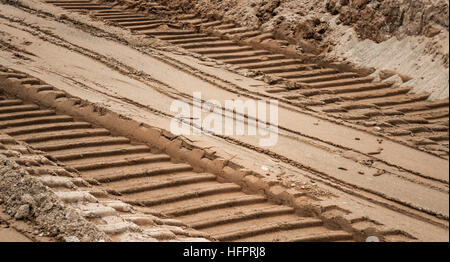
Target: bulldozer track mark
{"points": [[149, 180], [323, 89]]}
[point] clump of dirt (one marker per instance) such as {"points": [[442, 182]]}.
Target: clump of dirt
{"points": [[25, 198]]}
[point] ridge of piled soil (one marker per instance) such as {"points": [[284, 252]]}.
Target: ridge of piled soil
{"points": [[25, 198]]}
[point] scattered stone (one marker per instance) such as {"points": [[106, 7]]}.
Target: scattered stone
{"points": [[378, 151], [379, 173], [22, 212], [432, 30], [71, 239]]}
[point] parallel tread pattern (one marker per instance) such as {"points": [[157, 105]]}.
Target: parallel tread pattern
{"points": [[147, 180]]}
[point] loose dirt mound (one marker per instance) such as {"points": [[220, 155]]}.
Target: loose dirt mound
{"points": [[25, 198], [379, 20]]}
